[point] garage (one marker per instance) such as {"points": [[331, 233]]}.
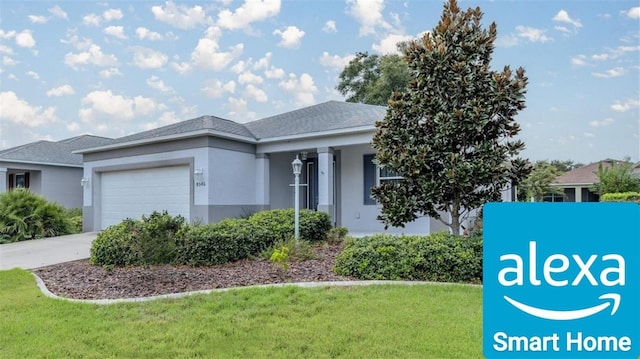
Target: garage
{"points": [[132, 193]]}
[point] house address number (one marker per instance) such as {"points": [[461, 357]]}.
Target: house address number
{"points": [[201, 184]]}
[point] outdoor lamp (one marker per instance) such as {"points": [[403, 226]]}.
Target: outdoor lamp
{"points": [[84, 181], [297, 168], [198, 175]]}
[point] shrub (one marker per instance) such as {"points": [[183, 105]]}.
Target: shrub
{"points": [[280, 222], [337, 235], [436, 257], [621, 197], [74, 215], [298, 250], [149, 240], [25, 215], [228, 240]]}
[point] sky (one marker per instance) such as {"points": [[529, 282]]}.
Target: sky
{"points": [[115, 68]]}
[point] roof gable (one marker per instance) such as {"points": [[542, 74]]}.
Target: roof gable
{"points": [[584, 175]]}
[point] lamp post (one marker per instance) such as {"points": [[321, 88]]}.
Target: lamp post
{"points": [[297, 168]]}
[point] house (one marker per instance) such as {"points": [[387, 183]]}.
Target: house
{"points": [[576, 184], [209, 168], [48, 168]]}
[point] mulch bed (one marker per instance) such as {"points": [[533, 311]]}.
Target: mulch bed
{"points": [[80, 280]]}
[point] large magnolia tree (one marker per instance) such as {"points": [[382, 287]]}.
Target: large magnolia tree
{"points": [[450, 135]]}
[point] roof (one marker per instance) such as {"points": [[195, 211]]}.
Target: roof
{"points": [[327, 116], [584, 175], [55, 153], [202, 123]]}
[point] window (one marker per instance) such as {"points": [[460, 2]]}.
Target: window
{"points": [[19, 180], [374, 176]]}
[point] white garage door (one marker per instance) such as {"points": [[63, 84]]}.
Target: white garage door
{"points": [[137, 192]]}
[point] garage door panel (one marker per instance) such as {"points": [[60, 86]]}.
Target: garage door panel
{"points": [[134, 193]]}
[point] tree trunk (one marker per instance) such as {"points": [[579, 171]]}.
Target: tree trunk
{"points": [[455, 223]]}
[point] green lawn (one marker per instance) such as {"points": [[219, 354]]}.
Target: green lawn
{"points": [[423, 321]]}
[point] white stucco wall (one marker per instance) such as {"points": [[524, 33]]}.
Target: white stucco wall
{"points": [[356, 216], [231, 177]]}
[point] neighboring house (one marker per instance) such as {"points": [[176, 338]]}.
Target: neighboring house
{"points": [[208, 168], [576, 184], [48, 168]]}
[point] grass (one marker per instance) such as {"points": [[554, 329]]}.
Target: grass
{"points": [[423, 321]]}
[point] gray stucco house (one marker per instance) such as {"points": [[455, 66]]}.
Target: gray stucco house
{"points": [[48, 168], [209, 168]]}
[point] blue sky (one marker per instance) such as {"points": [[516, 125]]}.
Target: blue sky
{"points": [[115, 68]]}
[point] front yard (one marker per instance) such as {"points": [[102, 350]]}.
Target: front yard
{"points": [[422, 321]]}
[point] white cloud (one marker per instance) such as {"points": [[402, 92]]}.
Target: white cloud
{"points": [[110, 72], [302, 88], [274, 73], [589, 134], [634, 12], [180, 16], [389, 44], [61, 91], [207, 56], [508, 40], [215, 88], [99, 105], [181, 67], [25, 39], [21, 112], [256, 94], [263, 63], [8, 61], [330, 27], [157, 84], [144, 33], [249, 77], [600, 57], [6, 50], [615, 72], [115, 31], [7, 35], [335, 61], [562, 29], [112, 14], [94, 56], [368, 13], [38, 19], [579, 60], [625, 106], [92, 19], [290, 37], [73, 126], [34, 75], [563, 16], [58, 12], [532, 34], [603, 123], [146, 58], [250, 11]]}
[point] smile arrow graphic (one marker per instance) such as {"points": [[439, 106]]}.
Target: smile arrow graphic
{"points": [[568, 314]]}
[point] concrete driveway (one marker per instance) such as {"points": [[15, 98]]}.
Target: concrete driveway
{"points": [[43, 252]]}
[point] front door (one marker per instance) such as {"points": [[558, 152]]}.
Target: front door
{"points": [[311, 174]]}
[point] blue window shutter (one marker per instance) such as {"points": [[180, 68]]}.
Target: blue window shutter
{"points": [[369, 171]]}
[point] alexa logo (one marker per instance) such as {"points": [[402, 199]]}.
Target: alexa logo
{"points": [[561, 280]]}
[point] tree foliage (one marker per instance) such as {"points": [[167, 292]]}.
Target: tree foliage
{"points": [[538, 183], [371, 79], [617, 178], [450, 135]]}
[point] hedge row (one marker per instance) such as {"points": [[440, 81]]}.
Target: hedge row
{"points": [[162, 239], [621, 197], [438, 257]]}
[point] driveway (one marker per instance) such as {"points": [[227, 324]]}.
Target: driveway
{"points": [[43, 252]]}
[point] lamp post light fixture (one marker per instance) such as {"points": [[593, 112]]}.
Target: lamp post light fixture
{"points": [[297, 169], [84, 181]]}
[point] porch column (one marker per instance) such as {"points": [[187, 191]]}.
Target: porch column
{"points": [[262, 181], [3, 180], [578, 194], [325, 180]]}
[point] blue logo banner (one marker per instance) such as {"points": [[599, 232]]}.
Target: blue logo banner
{"points": [[561, 280]]}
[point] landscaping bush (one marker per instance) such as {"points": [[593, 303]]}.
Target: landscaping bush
{"points": [[437, 257], [228, 240], [280, 222], [74, 215], [149, 240], [621, 197], [25, 215], [300, 250]]}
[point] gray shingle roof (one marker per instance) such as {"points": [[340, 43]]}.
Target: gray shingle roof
{"points": [[332, 115], [193, 125], [53, 152]]}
